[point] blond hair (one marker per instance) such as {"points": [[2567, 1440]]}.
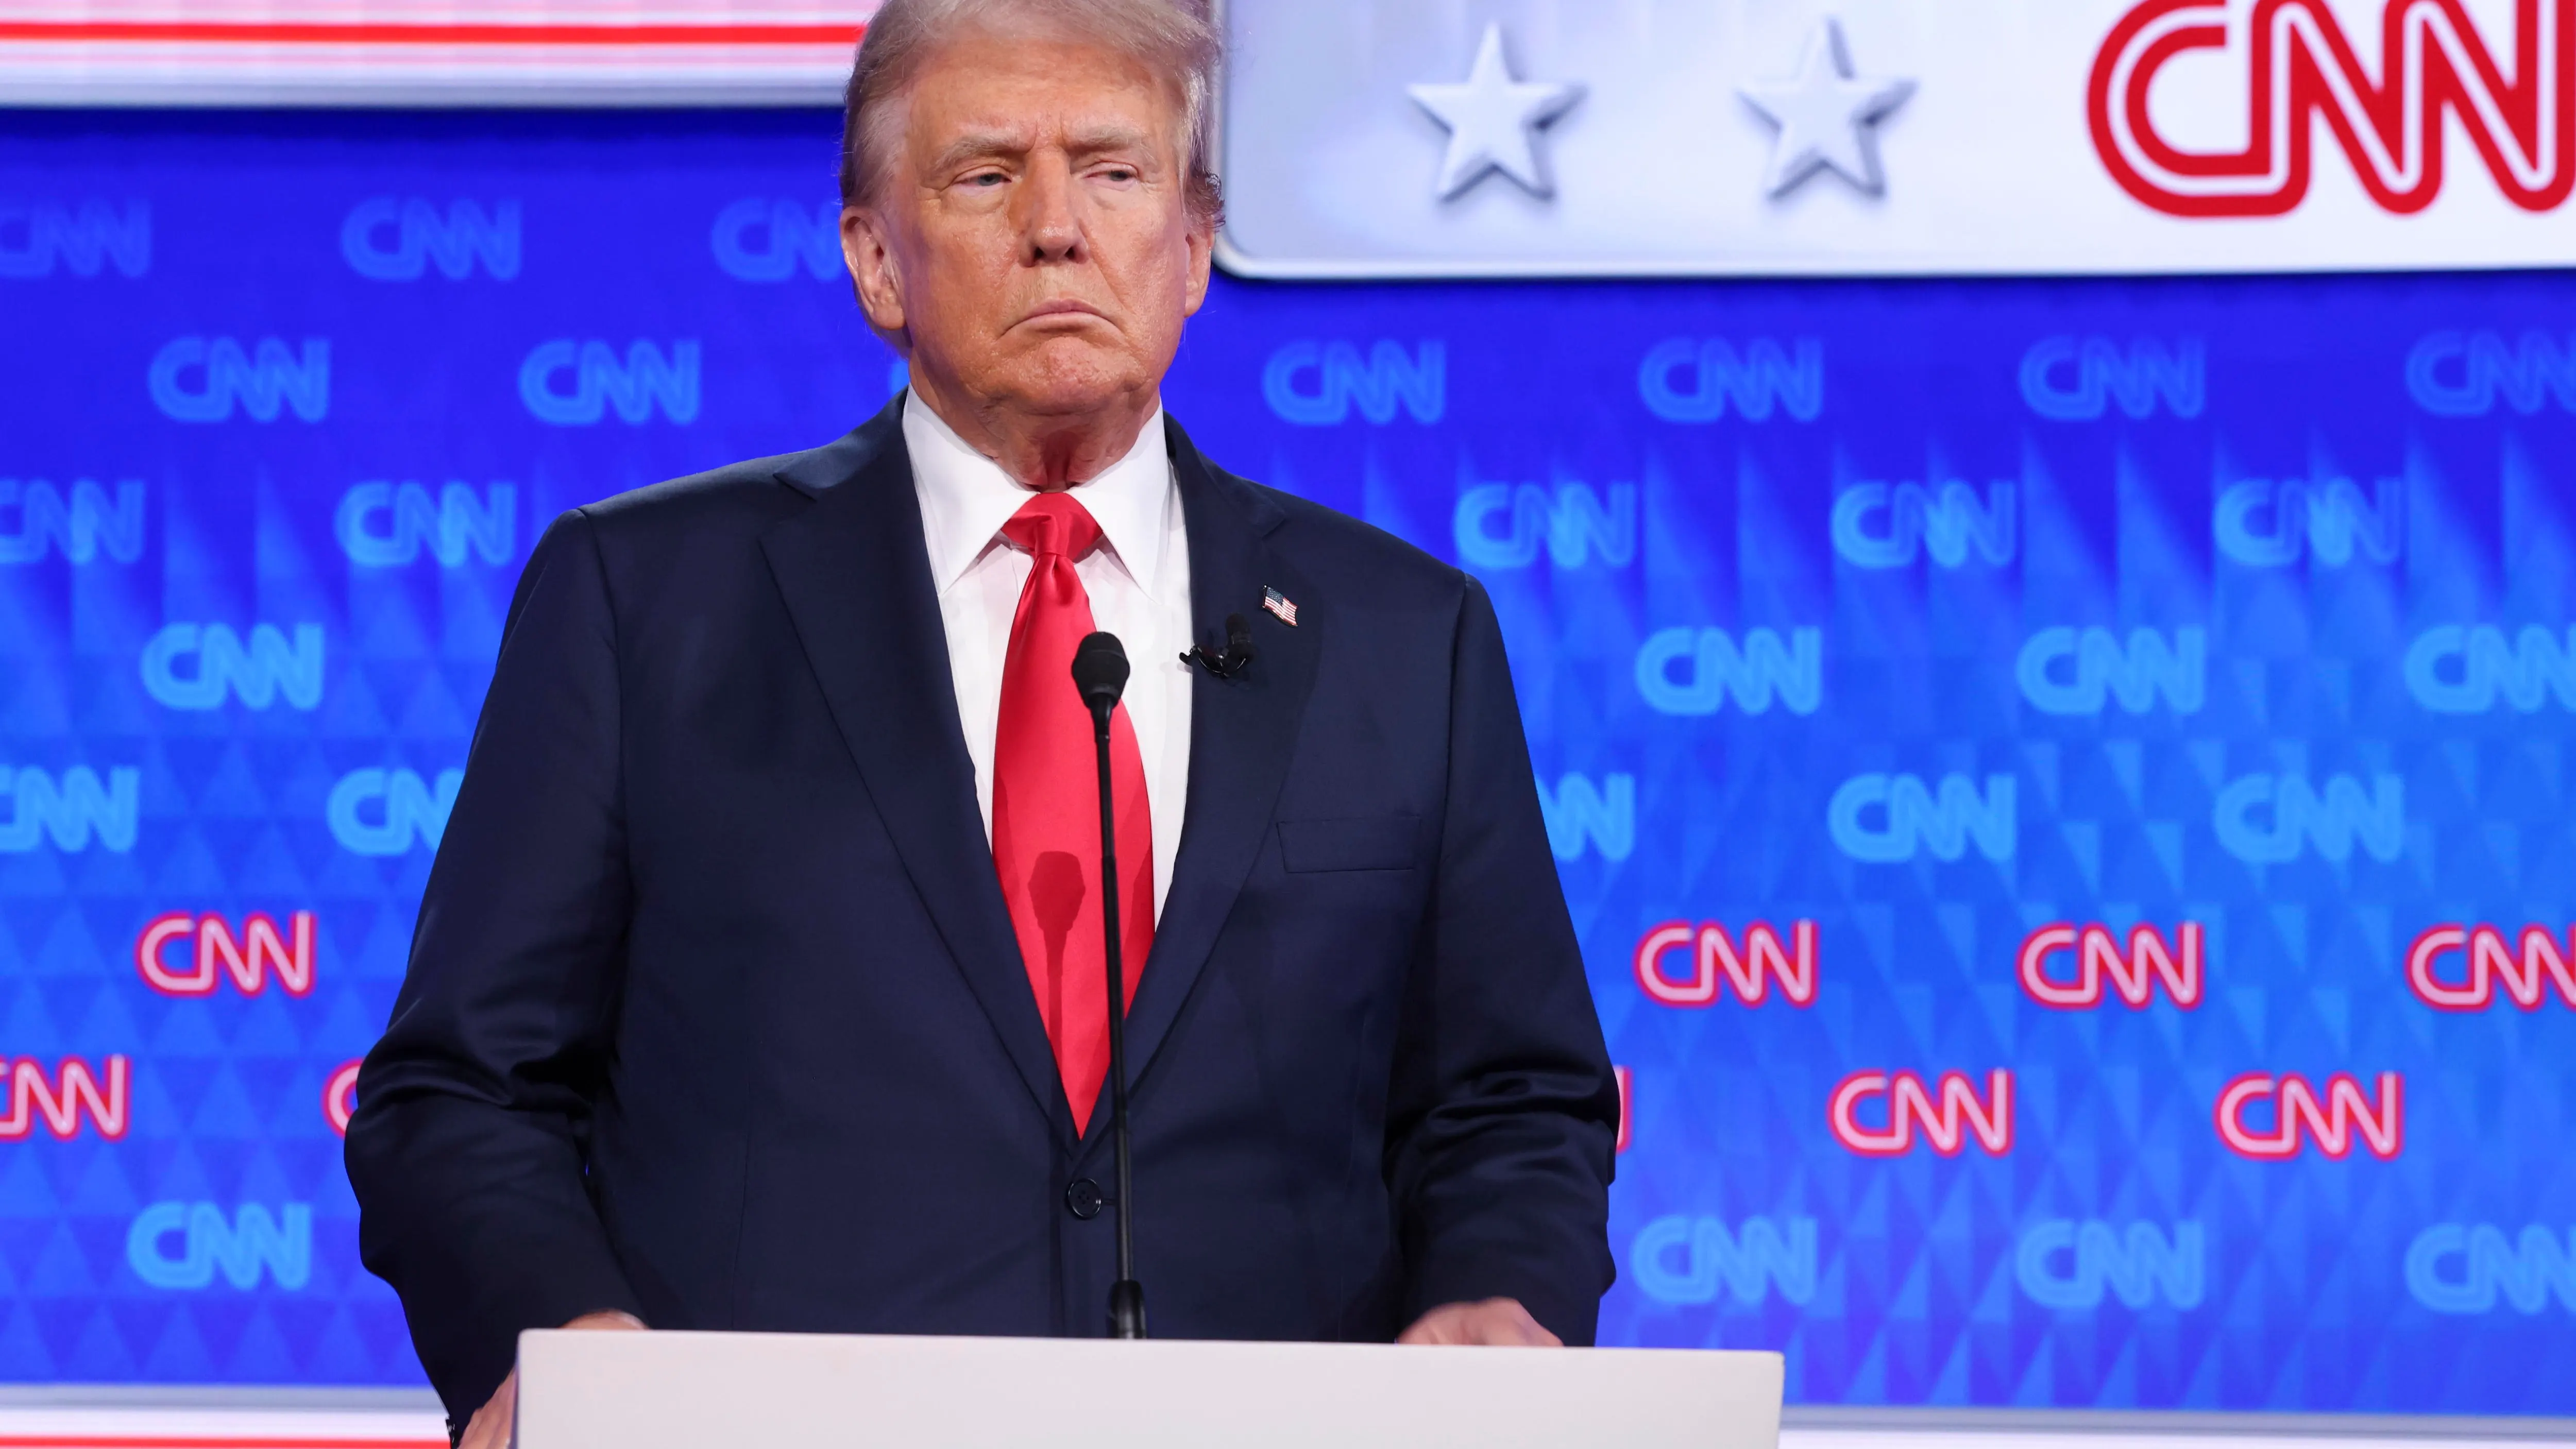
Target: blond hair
{"points": [[1176, 40]]}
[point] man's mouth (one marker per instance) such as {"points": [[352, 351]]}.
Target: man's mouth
{"points": [[1063, 307]]}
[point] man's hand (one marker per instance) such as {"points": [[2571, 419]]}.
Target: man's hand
{"points": [[1498, 1322], [490, 1428]]}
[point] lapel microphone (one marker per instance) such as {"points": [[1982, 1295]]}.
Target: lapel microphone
{"points": [[1231, 660]]}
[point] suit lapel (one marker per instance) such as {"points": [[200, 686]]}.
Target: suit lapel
{"points": [[856, 578], [1242, 732]]}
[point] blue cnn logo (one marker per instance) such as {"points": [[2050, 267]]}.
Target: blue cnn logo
{"points": [[2078, 671], [1890, 819], [1500, 526], [764, 240], [1687, 1261], [2462, 669], [206, 1242], [398, 239], [84, 240], [2076, 380], [2332, 821], [2464, 375], [72, 809], [2461, 1268], [204, 380], [1389, 379], [600, 381], [2071, 1266], [79, 529], [1714, 669], [1878, 526], [1695, 380], [269, 666], [2264, 524], [386, 812], [1578, 810], [383, 525]]}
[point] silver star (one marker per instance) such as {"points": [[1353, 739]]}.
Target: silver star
{"points": [[1827, 116], [1493, 122]]}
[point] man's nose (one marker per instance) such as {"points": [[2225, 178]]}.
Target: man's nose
{"points": [[1051, 221]]}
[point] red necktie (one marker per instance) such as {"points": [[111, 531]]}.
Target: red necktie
{"points": [[1046, 804]]}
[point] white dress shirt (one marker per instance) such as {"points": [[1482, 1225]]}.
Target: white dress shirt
{"points": [[1138, 580]]}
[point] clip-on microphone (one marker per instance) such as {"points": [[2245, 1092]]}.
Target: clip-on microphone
{"points": [[1230, 661], [1100, 673]]}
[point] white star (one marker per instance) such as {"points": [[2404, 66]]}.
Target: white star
{"points": [[1828, 117], [1493, 122]]}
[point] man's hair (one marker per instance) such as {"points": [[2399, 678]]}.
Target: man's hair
{"points": [[1173, 39]]}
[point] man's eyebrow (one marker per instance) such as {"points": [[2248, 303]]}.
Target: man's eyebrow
{"points": [[1105, 138], [979, 143], [976, 145]]}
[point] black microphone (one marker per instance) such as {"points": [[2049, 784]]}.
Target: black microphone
{"points": [[1230, 661], [1100, 673]]}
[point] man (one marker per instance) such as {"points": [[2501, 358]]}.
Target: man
{"points": [[760, 980]]}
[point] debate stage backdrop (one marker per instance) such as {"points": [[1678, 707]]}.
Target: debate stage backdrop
{"points": [[2062, 784]]}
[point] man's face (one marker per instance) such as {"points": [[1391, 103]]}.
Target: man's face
{"points": [[1031, 233]]}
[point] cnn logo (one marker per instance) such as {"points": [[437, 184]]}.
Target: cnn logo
{"points": [[2528, 967], [1947, 1113], [2336, 1120], [2101, 960], [1718, 964], [213, 953]]}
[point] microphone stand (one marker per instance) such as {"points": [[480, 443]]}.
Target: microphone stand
{"points": [[1100, 672]]}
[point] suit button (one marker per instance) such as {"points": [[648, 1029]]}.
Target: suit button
{"points": [[1082, 1198]]}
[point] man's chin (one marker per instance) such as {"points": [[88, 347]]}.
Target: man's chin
{"points": [[1055, 385]]}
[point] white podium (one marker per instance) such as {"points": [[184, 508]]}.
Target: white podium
{"points": [[797, 1391]]}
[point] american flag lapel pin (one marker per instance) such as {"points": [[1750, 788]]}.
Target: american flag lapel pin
{"points": [[1277, 603]]}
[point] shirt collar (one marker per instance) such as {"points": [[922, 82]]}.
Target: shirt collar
{"points": [[966, 497]]}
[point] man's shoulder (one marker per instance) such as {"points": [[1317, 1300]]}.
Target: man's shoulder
{"points": [[1355, 558], [730, 503], [747, 495]]}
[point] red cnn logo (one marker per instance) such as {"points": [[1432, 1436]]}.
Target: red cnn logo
{"points": [[1749, 970], [2526, 974], [2434, 64], [60, 1101], [340, 1096], [247, 958], [2098, 955], [1911, 1107], [2296, 1113], [1627, 1103]]}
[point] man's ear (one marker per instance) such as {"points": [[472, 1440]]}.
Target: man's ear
{"points": [[874, 275], [1202, 244]]}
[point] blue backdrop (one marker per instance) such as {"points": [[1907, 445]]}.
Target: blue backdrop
{"points": [[1892, 654]]}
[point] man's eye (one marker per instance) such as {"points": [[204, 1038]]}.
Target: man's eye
{"points": [[1119, 173], [986, 178]]}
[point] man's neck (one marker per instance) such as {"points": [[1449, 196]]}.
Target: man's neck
{"points": [[1045, 452]]}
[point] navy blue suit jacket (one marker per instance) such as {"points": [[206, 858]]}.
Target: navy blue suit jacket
{"points": [[715, 1015]]}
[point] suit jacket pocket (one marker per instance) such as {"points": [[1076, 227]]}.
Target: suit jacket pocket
{"points": [[1365, 842]]}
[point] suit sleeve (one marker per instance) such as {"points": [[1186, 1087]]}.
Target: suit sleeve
{"points": [[466, 1149], [1503, 1113]]}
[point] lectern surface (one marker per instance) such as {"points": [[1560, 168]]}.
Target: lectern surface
{"points": [[795, 1391]]}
